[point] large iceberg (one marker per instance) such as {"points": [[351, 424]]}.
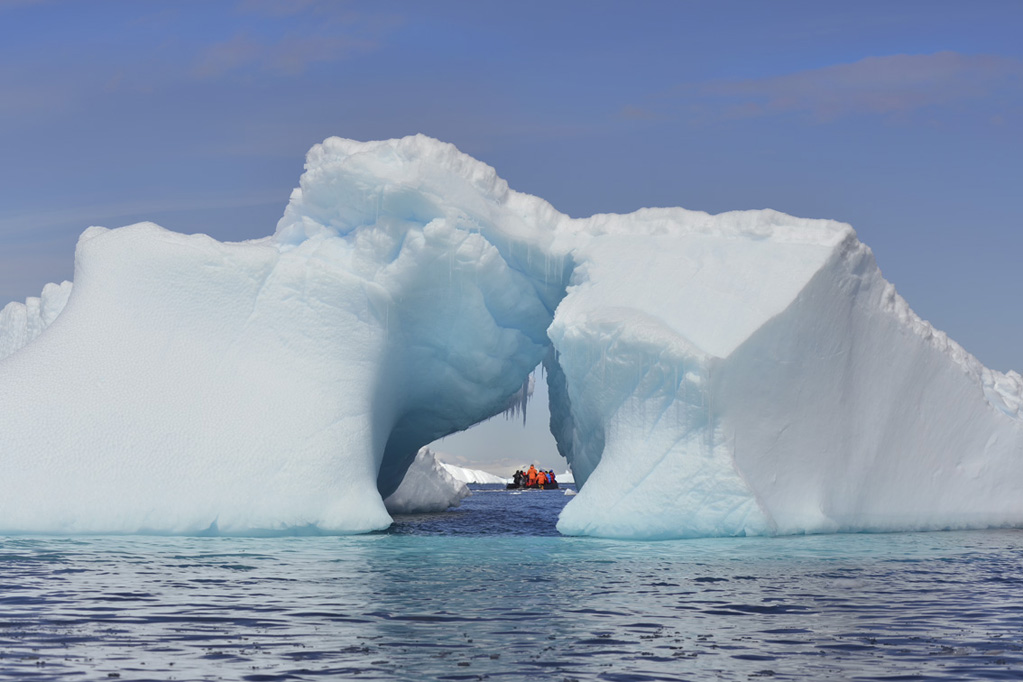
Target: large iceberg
{"points": [[744, 373]]}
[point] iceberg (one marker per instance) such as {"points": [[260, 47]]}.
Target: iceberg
{"points": [[428, 486], [476, 476], [745, 373]]}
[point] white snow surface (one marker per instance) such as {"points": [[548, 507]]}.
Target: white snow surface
{"points": [[742, 373], [23, 322], [428, 486], [472, 475]]}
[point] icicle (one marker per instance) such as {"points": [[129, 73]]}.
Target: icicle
{"points": [[518, 400], [524, 397]]}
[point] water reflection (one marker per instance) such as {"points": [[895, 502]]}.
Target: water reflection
{"points": [[461, 606]]}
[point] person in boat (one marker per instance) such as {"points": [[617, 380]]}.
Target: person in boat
{"points": [[532, 477]]}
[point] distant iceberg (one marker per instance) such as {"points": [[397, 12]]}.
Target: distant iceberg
{"points": [[428, 486], [745, 373], [473, 475]]}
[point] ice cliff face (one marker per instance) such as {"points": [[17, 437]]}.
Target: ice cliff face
{"points": [[744, 373]]}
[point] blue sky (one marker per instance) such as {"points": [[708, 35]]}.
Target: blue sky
{"points": [[904, 119]]}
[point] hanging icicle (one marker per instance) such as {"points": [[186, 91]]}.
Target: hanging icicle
{"points": [[518, 401]]}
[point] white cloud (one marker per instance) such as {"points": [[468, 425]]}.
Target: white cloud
{"points": [[27, 221], [323, 36], [887, 85]]}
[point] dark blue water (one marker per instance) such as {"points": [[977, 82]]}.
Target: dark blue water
{"points": [[489, 591]]}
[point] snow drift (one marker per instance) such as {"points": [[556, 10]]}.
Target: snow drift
{"points": [[745, 373]]}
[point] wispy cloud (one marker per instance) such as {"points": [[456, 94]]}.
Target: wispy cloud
{"points": [[631, 113], [287, 56], [20, 98], [31, 223], [301, 33], [888, 85], [283, 8], [14, 4]]}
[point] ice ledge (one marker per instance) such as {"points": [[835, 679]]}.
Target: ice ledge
{"points": [[1003, 390]]}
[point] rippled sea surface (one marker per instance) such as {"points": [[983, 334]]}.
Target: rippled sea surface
{"points": [[490, 591]]}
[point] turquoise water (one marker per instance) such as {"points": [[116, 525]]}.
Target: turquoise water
{"points": [[491, 592]]}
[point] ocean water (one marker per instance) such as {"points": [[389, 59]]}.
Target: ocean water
{"points": [[490, 591]]}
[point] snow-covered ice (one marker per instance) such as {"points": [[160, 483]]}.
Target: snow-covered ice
{"points": [[473, 475], [23, 322], [743, 373], [428, 486]]}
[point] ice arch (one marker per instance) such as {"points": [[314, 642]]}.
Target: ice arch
{"points": [[744, 373]]}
